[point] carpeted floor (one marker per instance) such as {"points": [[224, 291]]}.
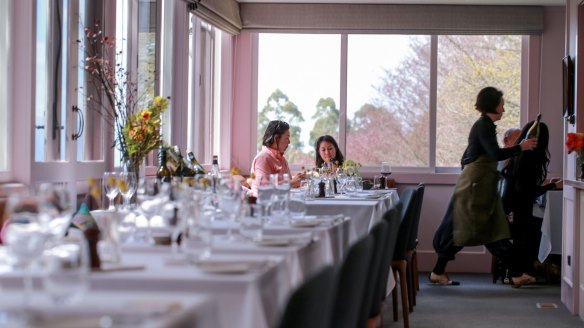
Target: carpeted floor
{"points": [[477, 302]]}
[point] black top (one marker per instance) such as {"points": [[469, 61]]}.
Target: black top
{"points": [[482, 139]]}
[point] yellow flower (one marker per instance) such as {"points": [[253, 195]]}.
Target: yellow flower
{"points": [[92, 182], [95, 193], [146, 114], [122, 185], [111, 181], [235, 171]]}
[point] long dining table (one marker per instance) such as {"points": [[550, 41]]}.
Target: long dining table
{"points": [[246, 282]]}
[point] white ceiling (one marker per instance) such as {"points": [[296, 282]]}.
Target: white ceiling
{"points": [[426, 2]]}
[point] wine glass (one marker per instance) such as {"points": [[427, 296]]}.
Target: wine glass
{"points": [[24, 236], [111, 187], [127, 185], [385, 169]]}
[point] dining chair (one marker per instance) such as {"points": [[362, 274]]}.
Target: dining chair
{"points": [[399, 262], [385, 235], [311, 304], [412, 257], [352, 282]]}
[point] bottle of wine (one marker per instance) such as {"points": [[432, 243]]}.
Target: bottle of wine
{"points": [[214, 172], [196, 166], [163, 174], [533, 131]]}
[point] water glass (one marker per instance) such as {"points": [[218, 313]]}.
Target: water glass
{"points": [[108, 247], [281, 194], [66, 277], [197, 240], [56, 208], [297, 207], [252, 222], [127, 185]]}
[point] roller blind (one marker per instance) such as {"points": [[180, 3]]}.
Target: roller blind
{"points": [[223, 14], [392, 19]]}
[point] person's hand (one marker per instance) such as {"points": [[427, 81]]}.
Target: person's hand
{"points": [[296, 180], [528, 144], [559, 183]]}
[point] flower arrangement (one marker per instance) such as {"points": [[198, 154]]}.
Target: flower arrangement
{"points": [[114, 95], [575, 142], [351, 167]]}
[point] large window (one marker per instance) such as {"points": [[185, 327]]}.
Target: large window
{"points": [[409, 98], [299, 82]]}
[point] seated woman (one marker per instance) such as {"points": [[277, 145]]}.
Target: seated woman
{"points": [[327, 151], [271, 159], [525, 180]]}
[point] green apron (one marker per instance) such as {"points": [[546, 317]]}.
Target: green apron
{"points": [[478, 216]]}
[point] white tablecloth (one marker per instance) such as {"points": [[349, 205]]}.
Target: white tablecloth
{"points": [[127, 309], [551, 227], [364, 212]]}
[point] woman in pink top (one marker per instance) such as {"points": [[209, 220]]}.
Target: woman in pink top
{"points": [[271, 159]]}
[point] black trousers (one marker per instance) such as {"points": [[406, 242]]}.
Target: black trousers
{"points": [[443, 243]]}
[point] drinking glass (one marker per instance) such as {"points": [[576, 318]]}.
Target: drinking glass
{"points": [[109, 243], [66, 273], [127, 185], [111, 187], [24, 236], [55, 209], [252, 222], [229, 194], [297, 206], [265, 194], [197, 241], [281, 183], [385, 169], [341, 180]]}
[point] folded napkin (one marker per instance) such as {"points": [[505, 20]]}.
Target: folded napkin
{"points": [[314, 220], [227, 265]]}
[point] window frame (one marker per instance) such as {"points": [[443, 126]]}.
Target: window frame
{"points": [[408, 172]]}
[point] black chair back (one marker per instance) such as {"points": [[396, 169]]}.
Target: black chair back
{"points": [[379, 233], [393, 218], [351, 287], [311, 304], [417, 211], [407, 222]]}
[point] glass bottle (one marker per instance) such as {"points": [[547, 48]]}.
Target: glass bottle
{"points": [[163, 174], [196, 166], [533, 131]]}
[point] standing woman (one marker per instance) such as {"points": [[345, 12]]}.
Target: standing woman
{"points": [[327, 151], [525, 177], [475, 214]]}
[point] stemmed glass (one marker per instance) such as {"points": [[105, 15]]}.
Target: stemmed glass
{"points": [[127, 185], [24, 236], [111, 187], [229, 192], [341, 179], [385, 169]]}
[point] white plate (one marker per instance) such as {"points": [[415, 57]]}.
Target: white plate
{"points": [[271, 241], [303, 223], [224, 266]]}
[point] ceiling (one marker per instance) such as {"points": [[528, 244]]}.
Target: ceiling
{"points": [[426, 2]]}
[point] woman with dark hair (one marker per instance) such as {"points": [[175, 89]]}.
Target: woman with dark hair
{"points": [[525, 180], [327, 151], [475, 214], [271, 159]]}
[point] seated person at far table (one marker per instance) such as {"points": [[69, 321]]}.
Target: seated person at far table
{"points": [[271, 159], [327, 151]]}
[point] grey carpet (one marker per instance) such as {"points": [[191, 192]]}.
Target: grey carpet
{"points": [[477, 302]]}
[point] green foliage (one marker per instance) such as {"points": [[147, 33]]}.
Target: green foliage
{"points": [[279, 107], [326, 120]]}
